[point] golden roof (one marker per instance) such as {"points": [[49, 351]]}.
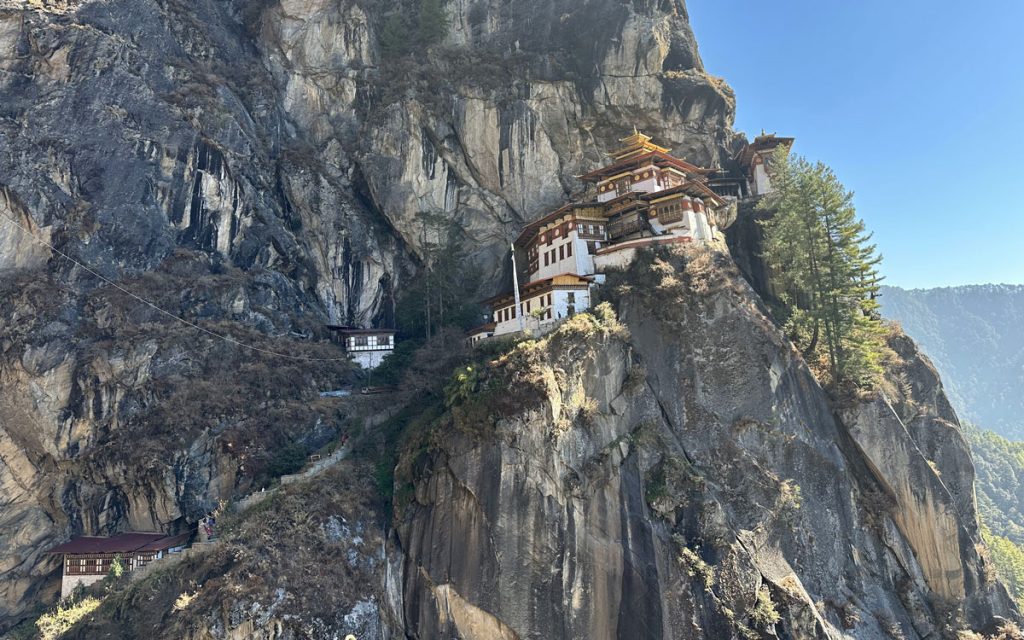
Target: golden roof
{"points": [[635, 144]]}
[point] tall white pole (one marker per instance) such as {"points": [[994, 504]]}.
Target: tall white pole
{"points": [[515, 289]]}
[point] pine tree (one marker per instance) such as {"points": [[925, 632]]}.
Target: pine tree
{"points": [[825, 270], [433, 22], [395, 41]]}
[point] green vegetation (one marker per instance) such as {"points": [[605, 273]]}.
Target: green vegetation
{"points": [[825, 272], [1009, 561], [69, 611], [286, 460], [764, 614], [972, 335], [437, 298], [999, 469], [695, 566], [999, 465], [413, 27], [116, 568]]}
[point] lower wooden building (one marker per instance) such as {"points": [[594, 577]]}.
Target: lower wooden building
{"points": [[88, 559]]}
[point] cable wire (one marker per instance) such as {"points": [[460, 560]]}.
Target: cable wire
{"points": [[173, 316]]}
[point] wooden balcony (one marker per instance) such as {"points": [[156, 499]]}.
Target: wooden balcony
{"points": [[625, 226]]}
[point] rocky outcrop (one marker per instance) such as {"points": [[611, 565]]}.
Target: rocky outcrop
{"points": [[260, 168], [690, 480], [113, 420], [305, 563], [275, 142]]}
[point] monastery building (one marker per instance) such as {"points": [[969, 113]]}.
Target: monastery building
{"points": [[645, 197]]}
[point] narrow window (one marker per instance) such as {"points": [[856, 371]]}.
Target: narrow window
{"points": [[561, 252], [568, 250]]}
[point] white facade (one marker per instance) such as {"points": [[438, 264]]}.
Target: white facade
{"points": [[567, 254], [762, 182], [694, 222], [550, 306], [68, 584], [477, 335], [371, 359], [369, 350]]}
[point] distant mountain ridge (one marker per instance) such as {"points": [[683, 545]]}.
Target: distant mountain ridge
{"points": [[975, 337]]}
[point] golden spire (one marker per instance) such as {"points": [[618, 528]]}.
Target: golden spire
{"points": [[635, 144]]}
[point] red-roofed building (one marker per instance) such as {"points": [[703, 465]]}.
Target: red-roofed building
{"points": [[87, 559]]}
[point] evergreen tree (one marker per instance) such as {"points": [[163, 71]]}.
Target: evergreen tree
{"points": [[433, 22], [441, 294], [395, 40], [825, 270]]}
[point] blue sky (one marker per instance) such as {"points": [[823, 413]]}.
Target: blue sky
{"points": [[918, 106]]}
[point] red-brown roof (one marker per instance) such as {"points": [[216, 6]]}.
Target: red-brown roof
{"points": [[761, 143], [657, 156], [490, 326], [169, 542], [357, 331], [532, 229], [536, 284], [705, 192], [122, 543]]}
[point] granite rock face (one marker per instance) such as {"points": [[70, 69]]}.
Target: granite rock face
{"points": [[272, 141], [692, 481], [262, 167]]}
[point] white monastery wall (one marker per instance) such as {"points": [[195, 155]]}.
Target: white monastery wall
{"points": [[370, 359], [579, 262], [68, 583], [762, 183]]}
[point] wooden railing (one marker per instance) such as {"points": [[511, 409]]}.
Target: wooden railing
{"points": [[625, 227], [668, 217]]}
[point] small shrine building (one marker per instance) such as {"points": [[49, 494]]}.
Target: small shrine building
{"points": [[754, 160], [367, 347]]}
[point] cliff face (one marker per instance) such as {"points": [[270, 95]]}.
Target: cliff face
{"points": [[262, 167], [272, 149], [691, 480]]}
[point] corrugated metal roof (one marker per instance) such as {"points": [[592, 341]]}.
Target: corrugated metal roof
{"points": [[122, 543]]}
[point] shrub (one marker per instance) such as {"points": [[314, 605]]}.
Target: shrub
{"points": [[116, 568], [764, 614], [286, 460], [790, 497], [183, 600], [54, 624], [695, 565]]}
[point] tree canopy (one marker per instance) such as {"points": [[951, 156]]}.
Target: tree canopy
{"points": [[824, 269]]}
